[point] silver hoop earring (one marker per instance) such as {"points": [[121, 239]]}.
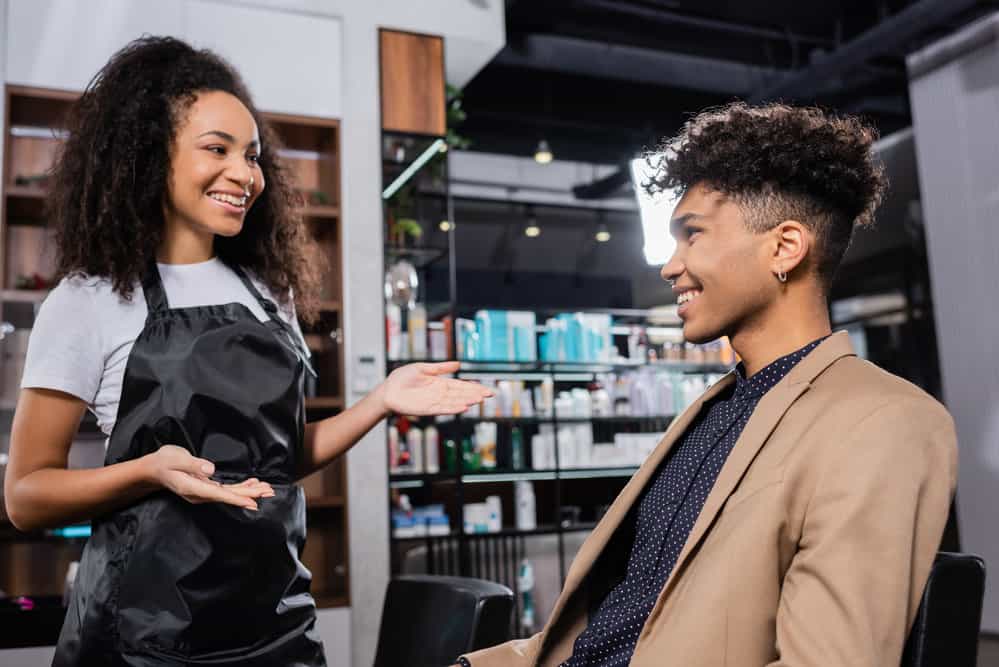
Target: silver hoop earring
{"points": [[782, 276]]}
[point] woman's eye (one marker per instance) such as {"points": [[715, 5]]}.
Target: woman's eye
{"points": [[253, 159], [218, 150]]}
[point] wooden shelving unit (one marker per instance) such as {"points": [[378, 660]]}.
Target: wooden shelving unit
{"points": [[32, 131]]}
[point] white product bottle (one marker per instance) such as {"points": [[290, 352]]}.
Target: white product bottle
{"points": [[418, 333], [393, 325], [414, 441], [393, 448], [431, 441], [495, 522], [527, 518]]}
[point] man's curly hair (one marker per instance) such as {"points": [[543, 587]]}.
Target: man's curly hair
{"points": [[110, 178], [779, 163]]}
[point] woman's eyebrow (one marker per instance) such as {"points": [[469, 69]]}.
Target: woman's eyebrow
{"points": [[228, 137]]}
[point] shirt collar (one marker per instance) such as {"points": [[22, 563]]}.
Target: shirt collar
{"points": [[766, 379]]}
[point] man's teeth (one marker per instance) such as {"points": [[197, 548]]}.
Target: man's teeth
{"points": [[688, 296], [228, 199]]}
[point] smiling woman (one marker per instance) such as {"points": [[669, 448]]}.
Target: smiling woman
{"points": [[183, 270]]}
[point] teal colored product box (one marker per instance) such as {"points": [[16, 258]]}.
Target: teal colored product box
{"points": [[522, 335], [506, 335], [573, 336], [494, 343]]}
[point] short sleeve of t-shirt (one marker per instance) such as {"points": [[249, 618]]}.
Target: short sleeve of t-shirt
{"points": [[65, 349]]}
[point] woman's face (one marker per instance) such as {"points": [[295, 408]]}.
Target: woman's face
{"points": [[214, 172]]}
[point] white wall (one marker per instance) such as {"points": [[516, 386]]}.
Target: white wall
{"points": [[63, 42], [954, 91]]}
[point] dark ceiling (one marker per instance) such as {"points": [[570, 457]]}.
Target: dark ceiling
{"points": [[602, 79]]}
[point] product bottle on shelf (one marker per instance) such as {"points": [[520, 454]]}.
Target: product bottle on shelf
{"points": [[525, 587], [516, 448], [414, 442], [431, 441], [450, 456], [469, 457], [393, 447], [526, 515]]}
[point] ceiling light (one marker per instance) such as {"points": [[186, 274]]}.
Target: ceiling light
{"points": [[543, 153], [532, 229], [603, 235], [445, 225]]}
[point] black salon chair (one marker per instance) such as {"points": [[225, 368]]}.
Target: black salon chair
{"points": [[428, 621], [945, 633]]}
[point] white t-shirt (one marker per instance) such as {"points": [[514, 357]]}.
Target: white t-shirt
{"points": [[84, 331]]}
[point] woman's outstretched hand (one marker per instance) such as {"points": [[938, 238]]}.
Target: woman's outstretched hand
{"points": [[177, 470], [422, 389]]}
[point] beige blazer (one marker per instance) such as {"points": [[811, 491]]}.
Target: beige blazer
{"points": [[812, 548]]}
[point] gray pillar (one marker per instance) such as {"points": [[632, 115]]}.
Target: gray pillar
{"points": [[954, 86]]}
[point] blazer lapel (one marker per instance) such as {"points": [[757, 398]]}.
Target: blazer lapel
{"points": [[762, 423], [595, 543]]}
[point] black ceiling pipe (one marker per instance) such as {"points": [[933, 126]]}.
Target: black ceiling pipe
{"points": [[887, 37]]}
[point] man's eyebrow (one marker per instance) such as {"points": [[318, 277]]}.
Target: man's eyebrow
{"points": [[227, 137]]}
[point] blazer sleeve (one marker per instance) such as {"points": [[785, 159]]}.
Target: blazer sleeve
{"points": [[868, 539], [516, 653]]}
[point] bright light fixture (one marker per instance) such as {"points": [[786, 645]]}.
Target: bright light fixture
{"points": [[445, 225], [656, 211], [603, 235], [543, 153], [413, 168]]}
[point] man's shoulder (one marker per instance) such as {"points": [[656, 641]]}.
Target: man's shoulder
{"points": [[859, 384]]}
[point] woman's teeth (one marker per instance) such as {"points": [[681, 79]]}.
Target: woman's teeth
{"points": [[687, 297], [228, 199]]}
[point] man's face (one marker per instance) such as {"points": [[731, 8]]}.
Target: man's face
{"points": [[721, 269]]}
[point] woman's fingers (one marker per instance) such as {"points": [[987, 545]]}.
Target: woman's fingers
{"points": [[251, 489]]}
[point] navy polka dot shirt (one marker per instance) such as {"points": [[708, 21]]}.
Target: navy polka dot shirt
{"points": [[666, 513]]}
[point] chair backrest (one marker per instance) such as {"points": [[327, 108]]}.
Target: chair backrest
{"points": [[945, 632], [428, 621]]}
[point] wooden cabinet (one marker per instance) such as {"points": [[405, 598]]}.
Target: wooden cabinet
{"points": [[32, 131], [412, 82]]}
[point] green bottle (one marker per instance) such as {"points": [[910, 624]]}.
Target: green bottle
{"points": [[516, 448], [450, 456], [469, 457]]}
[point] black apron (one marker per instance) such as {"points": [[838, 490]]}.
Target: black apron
{"points": [[167, 582]]}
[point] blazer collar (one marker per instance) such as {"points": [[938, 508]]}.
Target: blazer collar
{"points": [[764, 420]]}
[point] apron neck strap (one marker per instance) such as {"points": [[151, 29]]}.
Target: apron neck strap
{"points": [[269, 306], [152, 288]]}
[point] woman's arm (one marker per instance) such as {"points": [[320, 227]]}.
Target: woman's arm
{"points": [[41, 493], [414, 389]]}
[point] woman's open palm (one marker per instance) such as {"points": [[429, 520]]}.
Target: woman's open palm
{"points": [[422, 389]]}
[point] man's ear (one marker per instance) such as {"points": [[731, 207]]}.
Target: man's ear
{"points": [[792, 244]]}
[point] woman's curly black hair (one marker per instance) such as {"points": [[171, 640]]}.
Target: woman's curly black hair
{"points": [[778, 163], [110, 178]]}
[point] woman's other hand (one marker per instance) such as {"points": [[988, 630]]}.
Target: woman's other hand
{"points": [[177, 470], [422, 389]]}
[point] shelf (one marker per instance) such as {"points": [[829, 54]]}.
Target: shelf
{"points": [[323, 403], [320, 211], [520, 367], [330, 306], [23, 295], [545, 529], [26, 192], [327, 601], [410, 480], [324, 502], [531, 421], [420, 257]]}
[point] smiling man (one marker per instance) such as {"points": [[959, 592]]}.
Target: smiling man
{"points": [[790, 516]]}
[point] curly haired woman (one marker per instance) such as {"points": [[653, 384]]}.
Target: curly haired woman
{"points": [[182, 263], [791, 515]]}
